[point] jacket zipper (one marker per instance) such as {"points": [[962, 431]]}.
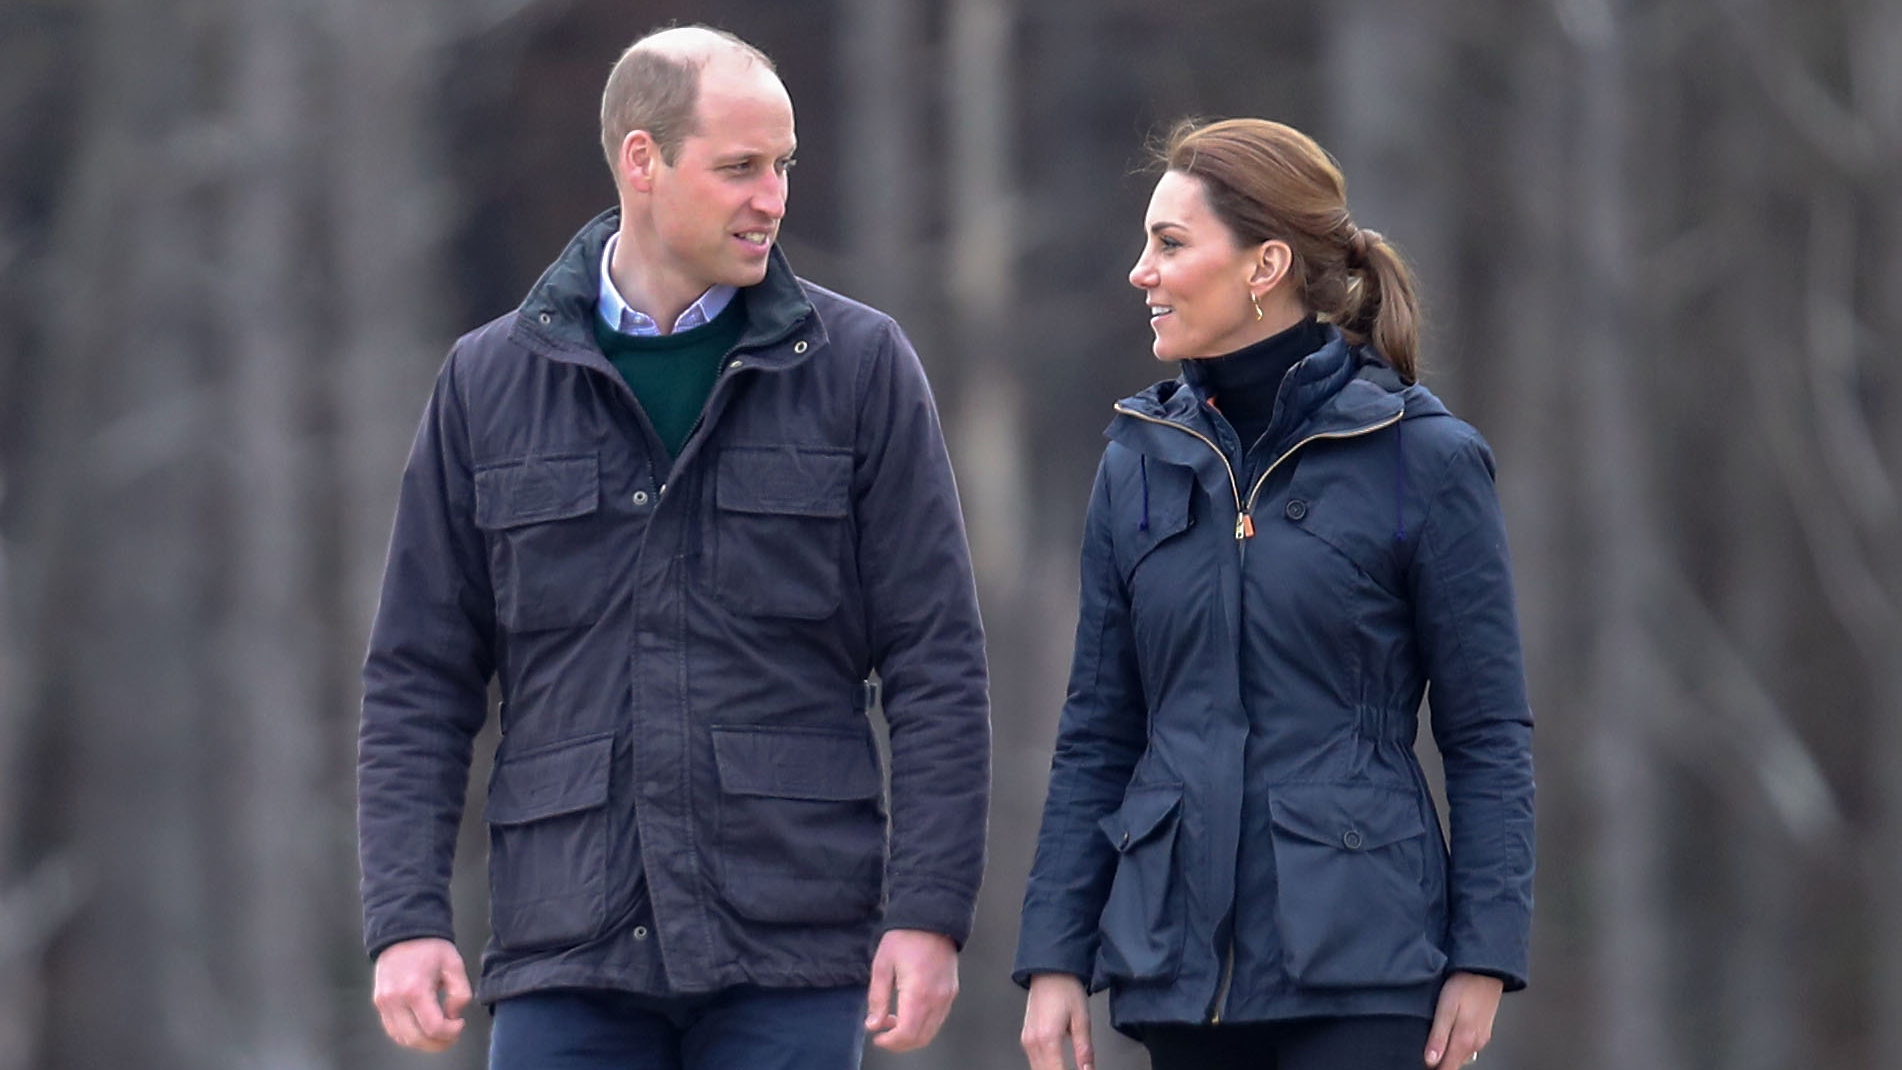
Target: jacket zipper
{"points": [[1245, 529]]}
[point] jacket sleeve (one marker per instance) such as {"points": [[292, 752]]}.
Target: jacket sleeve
{"points": [[1100, 736], [1482, 724], [425, 685], [927, 644]]}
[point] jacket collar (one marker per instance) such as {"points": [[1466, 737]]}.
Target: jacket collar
{"points": [[554, 319], [1334, 390]]}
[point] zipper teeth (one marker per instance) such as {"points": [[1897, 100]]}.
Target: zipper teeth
{"points": [[1228, 976]]}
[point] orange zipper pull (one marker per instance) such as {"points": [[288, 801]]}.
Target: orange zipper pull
{"points": [[1244, 526]]}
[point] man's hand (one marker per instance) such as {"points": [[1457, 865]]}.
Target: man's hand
{"points": [[1464, 1022], [923, 968], [1058, 1009], [411, 978]]}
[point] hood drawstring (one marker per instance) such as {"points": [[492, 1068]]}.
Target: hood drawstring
{"points": [[1143, 462], [1400, 483]]}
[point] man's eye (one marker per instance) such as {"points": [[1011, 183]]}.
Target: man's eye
{"points": [[786, 165]]}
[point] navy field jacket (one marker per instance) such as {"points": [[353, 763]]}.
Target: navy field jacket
{"points": [[687, 794], [1236, 827]]}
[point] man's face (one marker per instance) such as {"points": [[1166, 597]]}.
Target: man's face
{"points": [[717, 207]]}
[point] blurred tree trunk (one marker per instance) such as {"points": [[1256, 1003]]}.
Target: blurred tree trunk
{"points": [[271, 657], [881, 64], [1526, 320], [1625, 560], [121, 487]]}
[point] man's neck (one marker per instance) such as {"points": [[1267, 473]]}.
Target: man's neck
{"points": [[647, 291]]}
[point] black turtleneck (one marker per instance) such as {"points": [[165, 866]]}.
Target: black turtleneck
{"points": [[1244, 384]]}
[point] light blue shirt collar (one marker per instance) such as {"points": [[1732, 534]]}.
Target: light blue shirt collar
{"points": [[616, 313]]}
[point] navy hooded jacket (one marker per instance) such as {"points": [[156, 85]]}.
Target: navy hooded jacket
{"points": [[1237, 828], [687, 794]]}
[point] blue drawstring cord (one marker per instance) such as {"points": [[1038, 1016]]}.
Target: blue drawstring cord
{"points": [[1144, 463], [1400, 484]]}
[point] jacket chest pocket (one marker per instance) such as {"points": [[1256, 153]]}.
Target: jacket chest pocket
{"points": [[547, 544], [1153, 507], [779, 529]]}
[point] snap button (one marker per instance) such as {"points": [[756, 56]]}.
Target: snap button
{"points": [[1350, 840], [1296, 509], [547, 319], [640, 497], [733, 365], [662, 490], [1125, 841], [640, 932], [799, 346]]}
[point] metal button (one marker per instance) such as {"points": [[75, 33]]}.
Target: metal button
{"points": [[640, 932], [662, 490], [1125, 842], [1296, 509], [1350, 840], [640, 497], [733, 365], [799, 346], [547, 319]]}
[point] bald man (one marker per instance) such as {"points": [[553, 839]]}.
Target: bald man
{"points": [[683, 507]]}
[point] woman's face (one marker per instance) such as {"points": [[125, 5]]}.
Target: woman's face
{"points": [[1194, 278]]}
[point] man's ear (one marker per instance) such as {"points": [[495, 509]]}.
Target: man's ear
{"points": [[1273, 260], [637, 161]]}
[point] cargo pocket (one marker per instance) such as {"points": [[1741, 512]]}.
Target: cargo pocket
{"points": [[546, 540], [548, 849], [801, 828], [1353, 901], [1141, 927], [780, 528]]}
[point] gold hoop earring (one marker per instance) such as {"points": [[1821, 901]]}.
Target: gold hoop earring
{"points": [[1256, 301]]}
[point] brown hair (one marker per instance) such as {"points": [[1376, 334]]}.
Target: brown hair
{"points": [[657, 89], [1267, 181]]}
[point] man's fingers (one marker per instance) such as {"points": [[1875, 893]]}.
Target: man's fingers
{"points": [[455, 990], [878, 998]]}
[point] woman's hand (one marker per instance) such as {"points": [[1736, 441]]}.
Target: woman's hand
{"points": [[1464, 1022], [1058, 1008]]}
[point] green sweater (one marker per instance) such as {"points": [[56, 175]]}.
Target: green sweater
{"points": [[671, 375]]}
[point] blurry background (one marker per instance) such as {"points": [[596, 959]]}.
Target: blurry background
{"points": [[1661, 246]]}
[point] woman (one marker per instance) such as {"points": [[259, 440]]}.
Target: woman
{"points": [[1285, 545]]}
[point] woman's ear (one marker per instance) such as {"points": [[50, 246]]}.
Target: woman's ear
{"points": [[1273, 260]]}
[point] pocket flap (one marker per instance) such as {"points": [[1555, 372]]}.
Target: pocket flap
{"points": [[786, 480], [1145, 809], [538, 490], [796, 763], [550, 781], [1353, 817]]}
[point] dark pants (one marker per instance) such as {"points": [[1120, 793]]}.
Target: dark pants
{"points": [[736, 1029], [1383, 1042]]}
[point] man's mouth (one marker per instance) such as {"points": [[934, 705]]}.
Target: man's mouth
{"points": [[759, 238]]}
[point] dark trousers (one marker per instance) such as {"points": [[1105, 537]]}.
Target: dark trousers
{"points": [[1374, 1042], [736, 1029]]}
